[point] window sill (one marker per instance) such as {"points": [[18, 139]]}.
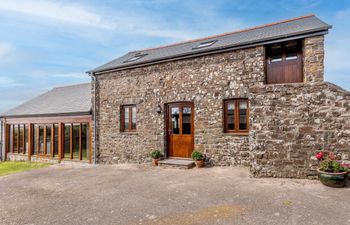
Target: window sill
{"points": [[129, 133], [42, 156], [287, 83], [18, 154], [236, 134], [73, 160]]}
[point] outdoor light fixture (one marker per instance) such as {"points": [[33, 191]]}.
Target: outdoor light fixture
{"points": [[159, 109]]}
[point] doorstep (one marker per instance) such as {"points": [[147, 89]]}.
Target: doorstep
{"points": [[177, 163]]}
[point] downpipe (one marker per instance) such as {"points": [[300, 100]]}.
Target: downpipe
{"points": [[93, 77], [1, 139]]}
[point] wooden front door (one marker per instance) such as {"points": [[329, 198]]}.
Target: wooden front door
{"points": [[180, 129]]}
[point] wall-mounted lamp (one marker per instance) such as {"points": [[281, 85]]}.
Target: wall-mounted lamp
{"points": [[159, 109]]}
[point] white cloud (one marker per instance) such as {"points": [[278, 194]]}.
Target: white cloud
{"points": [[8, 82], [70, 75], [5, 50], [146, 22], [63, 12]]}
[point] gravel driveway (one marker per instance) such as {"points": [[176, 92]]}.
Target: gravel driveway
{"points": [[134, 194]]}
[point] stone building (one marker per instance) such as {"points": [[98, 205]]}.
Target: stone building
{"points": [[255, 97]]}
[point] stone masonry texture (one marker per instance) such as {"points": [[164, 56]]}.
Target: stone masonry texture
{"points": [[206, 81], [289, 122], [305, 119]]}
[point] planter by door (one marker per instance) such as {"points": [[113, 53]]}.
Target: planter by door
{"points": [[180, 129]]}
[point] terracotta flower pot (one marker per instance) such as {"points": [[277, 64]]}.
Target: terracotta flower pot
{"points": [[199, 163], [333, 179], [155, 162]]}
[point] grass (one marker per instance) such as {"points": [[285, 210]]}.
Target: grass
{"points": [[287, 203], [11, 167]]}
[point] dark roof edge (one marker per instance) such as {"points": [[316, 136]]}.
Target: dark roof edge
{"points": [[48, 115], [312, 33], [71, 85]]}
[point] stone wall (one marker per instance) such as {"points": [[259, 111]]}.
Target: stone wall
{"points": [[313, 61], [292, 122], [42, 159], [206, 81], [17, 157], [289, 122], [24, 157]]}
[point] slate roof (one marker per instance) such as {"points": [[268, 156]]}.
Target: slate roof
{"points": [[278, 30], [74, 99]]}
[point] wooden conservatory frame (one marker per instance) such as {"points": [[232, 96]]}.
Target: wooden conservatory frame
{"points": [[30, 122]]}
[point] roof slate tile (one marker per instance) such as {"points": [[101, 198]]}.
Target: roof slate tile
{"points": [[277, 30], [72, 99]]}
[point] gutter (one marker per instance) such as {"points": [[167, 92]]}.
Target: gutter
{"points": [[84, 113], [93, 77], [1, 138]]}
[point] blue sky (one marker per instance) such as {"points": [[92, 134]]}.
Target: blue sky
{"points": [[46, 43]]}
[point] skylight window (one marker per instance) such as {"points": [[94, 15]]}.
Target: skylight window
{"points": [[205, 44], [135, 57]]}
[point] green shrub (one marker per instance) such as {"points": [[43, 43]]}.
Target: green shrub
{"points": [[332, 166], [155, 154], [197, 156]]}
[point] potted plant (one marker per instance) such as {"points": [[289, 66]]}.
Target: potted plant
{"points": [[198, 158], [331, 172], [156, 155]]}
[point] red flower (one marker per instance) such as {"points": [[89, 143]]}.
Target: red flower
{"points": [[331, 156], [345, 165], [319, 155]]}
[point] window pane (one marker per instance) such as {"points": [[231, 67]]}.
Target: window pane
{"points": [[291, 46], [186, 120], [231, 122], [133, 119], [25, 139], [35, 137], [85, 142], [291, 56], [276, 58], [56, 140], [243, 105], [291, 50], [276, 48], [48, 140], [15, 138], [41, 140], [11, 139], [126, 118], [231, 108], [231, 115], [67, 141], [21, 136], [175, 120], [276, 53], [76, 140]]}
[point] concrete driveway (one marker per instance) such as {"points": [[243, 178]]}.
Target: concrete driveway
{"points": [[133, 194]]}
